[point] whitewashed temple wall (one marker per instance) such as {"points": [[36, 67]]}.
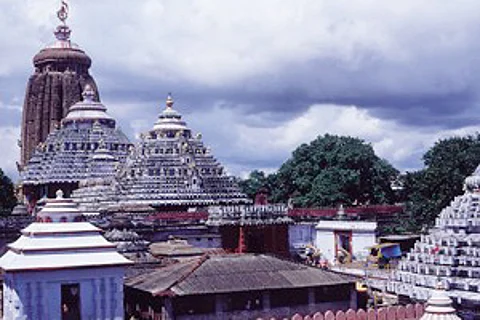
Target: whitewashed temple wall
{"points": [[325, 241], [362, 236], [37, 294], [361, 241], [299, 235]]}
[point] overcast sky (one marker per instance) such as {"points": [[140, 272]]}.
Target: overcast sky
{"points": [[257, 78]]}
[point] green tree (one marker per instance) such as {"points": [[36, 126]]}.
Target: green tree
{"points": [[327, 171], [256, 180], [7, 194], [431, 189]]}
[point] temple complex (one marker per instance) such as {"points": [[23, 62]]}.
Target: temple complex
{"points": [[61, 74], [63, 269], [449, 253], [70, 144], [88, 144]]}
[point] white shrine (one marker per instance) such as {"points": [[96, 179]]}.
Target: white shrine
{"points": [[344, 237], [62, 270]]}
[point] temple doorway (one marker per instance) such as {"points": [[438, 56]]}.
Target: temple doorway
{"points": [[70, 302], [343, 246]]}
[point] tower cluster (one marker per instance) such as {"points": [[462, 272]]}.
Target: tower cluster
{"points": [[69, 142]]}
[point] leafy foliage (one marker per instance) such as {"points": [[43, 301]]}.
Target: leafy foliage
{"points": [[431, 189], [330, 170], [7, 194]]}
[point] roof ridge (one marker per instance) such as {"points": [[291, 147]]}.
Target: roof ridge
{"points": [[195, 266]]}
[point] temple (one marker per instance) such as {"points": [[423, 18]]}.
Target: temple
{"points": [[173, 170], [449, 254], [87, 144], [61, 73], [62, 268], [168, 170]]}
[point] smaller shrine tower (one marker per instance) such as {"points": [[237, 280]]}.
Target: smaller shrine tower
{"points": [[87, 144], [172, 170], [62, 268]]}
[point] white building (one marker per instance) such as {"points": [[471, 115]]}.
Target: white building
{"points": [[62, 270], [346, 236]]}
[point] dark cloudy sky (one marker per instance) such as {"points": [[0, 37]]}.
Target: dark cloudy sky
{"points": [[260, 77]]}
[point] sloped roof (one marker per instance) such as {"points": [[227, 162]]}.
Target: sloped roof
{"points": [[233, 273], [159, 281]]}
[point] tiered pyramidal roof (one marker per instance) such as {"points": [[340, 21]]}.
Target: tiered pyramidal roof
{"points": [[450, 253], [57, 253], [60, 241], [87, 144], [169, 169], [172, 167]]}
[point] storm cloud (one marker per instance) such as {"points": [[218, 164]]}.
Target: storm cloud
{"points": [[257, 78]]}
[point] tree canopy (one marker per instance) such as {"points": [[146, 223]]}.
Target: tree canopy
{"points": [[337, 169], [329, 170], [431, 189], [7, 194]]}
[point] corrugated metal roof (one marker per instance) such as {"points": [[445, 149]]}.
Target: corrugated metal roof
{"points": [[234, 273]]}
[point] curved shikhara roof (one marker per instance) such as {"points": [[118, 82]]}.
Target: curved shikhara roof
{"points": [[450, 253]]}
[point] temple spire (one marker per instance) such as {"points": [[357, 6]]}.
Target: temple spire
{"points": [[61, 72]]}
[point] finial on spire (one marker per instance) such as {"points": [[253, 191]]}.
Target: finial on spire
{"points": [[88, 93], [170, 101], [62, 13], [63, 31]]}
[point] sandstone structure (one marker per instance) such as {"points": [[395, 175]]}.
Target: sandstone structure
{"points": [[61, 73]]}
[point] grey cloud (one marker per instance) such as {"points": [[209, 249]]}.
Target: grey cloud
{"points": [[410, 62]]}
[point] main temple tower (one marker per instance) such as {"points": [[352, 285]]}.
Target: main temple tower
{"points": [[61, 73]]}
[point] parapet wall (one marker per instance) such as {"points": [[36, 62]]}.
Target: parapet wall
{"points": [[408, 312]]}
